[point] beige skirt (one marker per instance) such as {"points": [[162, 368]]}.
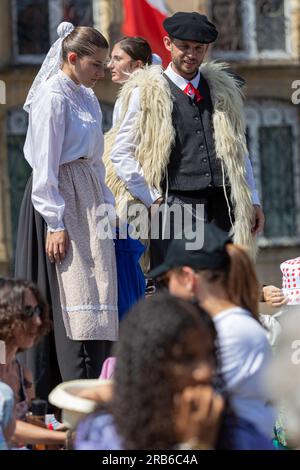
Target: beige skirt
{"points": [[87, 277]]}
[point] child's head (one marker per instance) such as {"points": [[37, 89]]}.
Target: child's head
{"points": [[23, 314], [166, 345]]}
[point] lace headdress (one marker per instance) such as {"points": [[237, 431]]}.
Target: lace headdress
{"points": [[51, 64]]}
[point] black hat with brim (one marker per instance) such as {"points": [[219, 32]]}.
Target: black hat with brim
{"points": [[191, 27], [213, 254]]}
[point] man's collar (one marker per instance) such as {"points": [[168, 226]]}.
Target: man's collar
{"points": [[180, 81]]}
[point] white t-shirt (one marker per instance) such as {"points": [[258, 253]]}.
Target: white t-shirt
{"points": [[245, 354]]}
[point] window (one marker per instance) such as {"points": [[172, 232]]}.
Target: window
{"points": [[227, 16], [270, 25], [35, 23], [273, 139], [32, 27], [251, 29], [18, 168]]}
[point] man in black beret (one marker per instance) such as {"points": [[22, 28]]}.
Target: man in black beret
{"points": [[181, 142], [209, 163]]}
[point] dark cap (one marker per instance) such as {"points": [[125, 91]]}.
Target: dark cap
{"points": [[191, 27], [212, 255]]}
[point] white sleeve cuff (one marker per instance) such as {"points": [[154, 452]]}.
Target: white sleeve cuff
{"points": [[148, 196], [255, 197], [56, 228]]}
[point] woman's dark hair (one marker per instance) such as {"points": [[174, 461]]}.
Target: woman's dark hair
{"points": [[12, 306], [83, 40], [143, 392], [137, 48]]}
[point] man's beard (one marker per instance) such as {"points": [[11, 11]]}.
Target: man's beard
{"points": [[180, 67]]}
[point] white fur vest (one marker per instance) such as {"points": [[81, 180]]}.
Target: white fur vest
{"points": [[155, 136]]}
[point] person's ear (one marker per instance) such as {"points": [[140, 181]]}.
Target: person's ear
{"points": [[137, 64], [189, 278], [167, 43], [72, 58]]}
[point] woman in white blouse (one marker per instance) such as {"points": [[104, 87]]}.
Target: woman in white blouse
{"points": [[64, 146]]}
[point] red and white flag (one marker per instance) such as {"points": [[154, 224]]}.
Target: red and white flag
{"points": [[144, 18]]}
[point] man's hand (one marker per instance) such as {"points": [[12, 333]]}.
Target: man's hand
{"points": [[273, 296], [57, 244], [258, 220]]}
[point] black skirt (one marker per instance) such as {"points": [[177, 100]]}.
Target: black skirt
{"points": [[56, 357], [32, 264]]}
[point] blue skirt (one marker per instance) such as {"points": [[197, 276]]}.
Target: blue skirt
{"points": [[131, 280]]}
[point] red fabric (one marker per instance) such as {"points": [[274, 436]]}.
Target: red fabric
{"points": [[142, 19], [193, 92]]}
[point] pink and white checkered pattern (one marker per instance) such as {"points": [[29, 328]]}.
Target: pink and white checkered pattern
{"points": [[291, 280]]}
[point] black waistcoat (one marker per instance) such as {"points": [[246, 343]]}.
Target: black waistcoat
{"points": [[193, 164]]}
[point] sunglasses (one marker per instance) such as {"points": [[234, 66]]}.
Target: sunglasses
{"points": [[30, 311]]}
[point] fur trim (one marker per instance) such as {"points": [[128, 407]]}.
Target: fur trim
{"points": [[153, 129], [231, 149], [156, 136]]}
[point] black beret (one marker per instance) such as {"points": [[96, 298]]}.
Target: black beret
{"points": [[191, 27]]}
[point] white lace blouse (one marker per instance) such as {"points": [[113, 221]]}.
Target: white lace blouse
{"points": [[64, 124]]}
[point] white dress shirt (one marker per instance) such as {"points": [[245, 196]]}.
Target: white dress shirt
{"points": [[123, 151], [64, 124]]}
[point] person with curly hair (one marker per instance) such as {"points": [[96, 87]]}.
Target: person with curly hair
{"points": [[163, 393], [23, 321]]}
